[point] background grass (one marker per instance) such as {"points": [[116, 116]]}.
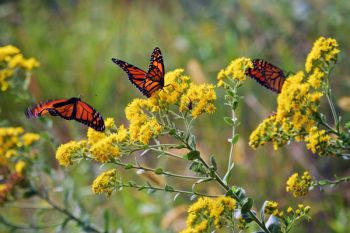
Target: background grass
{"points": [[75, 41]]}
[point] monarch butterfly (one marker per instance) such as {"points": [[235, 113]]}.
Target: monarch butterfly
{"points": [[69, 109], [149, 82], [267, 75]]}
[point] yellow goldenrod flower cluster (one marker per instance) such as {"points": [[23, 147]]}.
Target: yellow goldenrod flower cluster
{"points": [[299, 186], [142, 126], [298, 104], [301, 210], [236, 70], [271, 207], [68, 152], [324, 50], [208, 213], [10, 60], [105, 182], [100, 146], [14, 145], [13, 139], [318, 141]]}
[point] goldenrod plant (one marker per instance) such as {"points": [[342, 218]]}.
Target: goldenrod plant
{"points": [[163, 126]]}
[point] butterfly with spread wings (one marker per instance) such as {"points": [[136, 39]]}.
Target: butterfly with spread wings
{"points": [[69, 109], [147, 83], [267, 75]]}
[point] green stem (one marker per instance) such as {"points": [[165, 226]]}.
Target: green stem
{"points": [[127, 185], [331, 182], [84, 225], [155, 171], [14, 226], [329, 98]]}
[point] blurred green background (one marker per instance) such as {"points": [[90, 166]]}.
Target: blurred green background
{"points": [[75, 41]]}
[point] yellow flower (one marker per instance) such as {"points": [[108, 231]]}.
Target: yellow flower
{"points": [[316, 78], [236, 70], [9, 140], [109, 123], [20, 166], [19, 61], [105, 149], [10, 153], [201, 98], [207, 210], [105, 182], [66, 153], [4, 75], [271, 207], [290, 209], [122, 134], [299, 185], [7, 50], [142, 126], [318, 141], [93, 136], [323, 50], [29, 138]]}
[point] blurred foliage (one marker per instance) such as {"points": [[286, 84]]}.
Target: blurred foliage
{"points": [[75, 41]]}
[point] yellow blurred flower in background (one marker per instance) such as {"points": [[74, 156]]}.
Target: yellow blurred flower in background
{"points": [[105, 182], [10, 60]]}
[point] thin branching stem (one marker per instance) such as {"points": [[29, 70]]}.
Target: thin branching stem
{"points": [[320, 183], [172, 190], [15, 226], [157, 171], [83, 224]]}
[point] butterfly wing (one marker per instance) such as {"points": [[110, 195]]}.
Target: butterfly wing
{"points": [[69, 109], [149, 82], [267, 75], [43, 108], [135, 75], [155, 75], [87, 115]]}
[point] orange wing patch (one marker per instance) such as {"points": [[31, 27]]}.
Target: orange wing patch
{"points": [[149, 82], [69, 109], [267, 75]]}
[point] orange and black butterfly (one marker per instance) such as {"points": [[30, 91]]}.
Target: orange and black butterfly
{"points": [[267, 75], [69, 109], [149, 82]]}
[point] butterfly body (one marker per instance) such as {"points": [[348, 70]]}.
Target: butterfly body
{"points": [[69, 109], [146, 82], [267, 75]]}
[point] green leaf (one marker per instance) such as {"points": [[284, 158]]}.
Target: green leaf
{"points": [[262, 211], [198, 168], [228, 120], [29, 193], [213, 163], [128, 166], [228, 174], [234, 105], [347, 125], [168, 188], [247, 205], [322, 182], [159, 171], [192, 141], [273, 224], [172, 132], [176, 196], [235, 139], [192, 155], [236, 191], [106, 220]]}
